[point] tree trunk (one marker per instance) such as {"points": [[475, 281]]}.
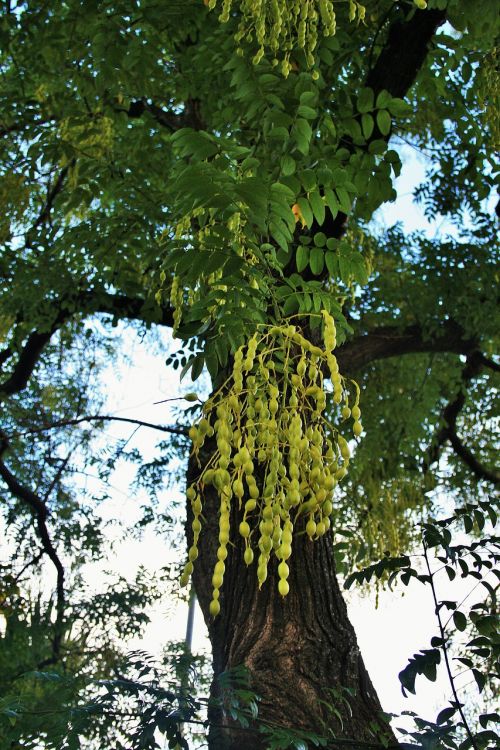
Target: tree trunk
{"points": [[301, 651]]}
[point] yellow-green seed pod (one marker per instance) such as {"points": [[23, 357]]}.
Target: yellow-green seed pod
{"points": [[344, 448], [221, 553], [217, 580], [214, 607], [283, 587], [248, 556], [311, 528], [261, 572], [283, 570], [320, 528], [250, 505], [244, 529], [208, 476]]}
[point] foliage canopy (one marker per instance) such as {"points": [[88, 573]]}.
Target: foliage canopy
{"points": [[161, 168]]}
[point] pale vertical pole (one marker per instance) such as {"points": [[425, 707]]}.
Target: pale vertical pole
{"points": [[189, 637], [190, 619]]}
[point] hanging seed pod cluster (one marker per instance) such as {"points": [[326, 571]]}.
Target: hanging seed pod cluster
{"points": [[283, 25], [278, 457]]}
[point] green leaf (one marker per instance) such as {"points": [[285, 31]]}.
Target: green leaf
{"points": [[344, 200], [331, 260], [288, 165], [317, 260], [307, 112], [305, 210], [291, 304], [383, 99], [377, 147], [367, 125], [303, 133], [399, 108], [302, 258], [319, 239], [445, 715], [384, 121], [279, 132], [332, 202], [212, 363], [308, 179], [197, 367], [365, 100], [480, 679], [317, 206], [309, 98], [278, 234], [487, 624], [460, 620]]}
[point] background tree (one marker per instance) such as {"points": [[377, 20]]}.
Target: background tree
{"points": [[161, 167]]}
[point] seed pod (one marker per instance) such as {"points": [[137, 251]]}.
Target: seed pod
{"points": [[283, 587], [244, 529], [214, 607]]}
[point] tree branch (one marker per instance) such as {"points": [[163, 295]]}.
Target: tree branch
{"points": [[52, 193], [404, 53], [104, 418], [390, 341], [395, 71], [84, 303], [487, 362], [448, 431], [189, 118], [39, 510], [477, 468]]}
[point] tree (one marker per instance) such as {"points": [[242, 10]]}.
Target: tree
{"points": [[215, 170]]}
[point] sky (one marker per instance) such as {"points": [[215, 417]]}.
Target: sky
{"points": [[390, 627]]}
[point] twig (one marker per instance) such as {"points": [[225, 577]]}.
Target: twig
{"points": [[444, 649]]}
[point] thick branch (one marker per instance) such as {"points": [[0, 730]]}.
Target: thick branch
{"points": [[390, 341], [395, 70], [39, 510], [83, 303], [404, 53]]}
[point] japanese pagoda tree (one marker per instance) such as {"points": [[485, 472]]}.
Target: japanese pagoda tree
{"points": [[214, 167]]}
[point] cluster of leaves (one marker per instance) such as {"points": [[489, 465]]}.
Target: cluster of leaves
{"points": [[476, 559]]}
